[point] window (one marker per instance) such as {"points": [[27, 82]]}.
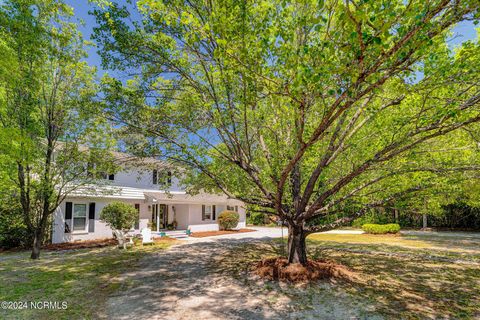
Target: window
{"points": [[232, 208], [207, 212], [162, 178], [107, 176], [79, 217]]}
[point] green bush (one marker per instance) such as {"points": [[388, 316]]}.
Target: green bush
{"points": [[374, 217], [119, 215], [228, 220], [381, 228], [256, 218], [13, 232]]}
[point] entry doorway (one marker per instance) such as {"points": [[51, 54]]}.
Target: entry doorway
{"points": [[159, 216]]}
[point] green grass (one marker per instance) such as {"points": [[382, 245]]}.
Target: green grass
{"points": [[82, 278], [398, 277]]}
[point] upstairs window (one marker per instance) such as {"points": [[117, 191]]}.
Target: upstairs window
{"points": [[107, 176], [232, 208], [158, 178]]}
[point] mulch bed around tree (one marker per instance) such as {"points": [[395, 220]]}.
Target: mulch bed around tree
{"points": [[277, 268], [218, 233], [80, 244]]}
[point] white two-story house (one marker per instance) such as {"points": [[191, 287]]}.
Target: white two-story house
{"points": [[78, 217]]}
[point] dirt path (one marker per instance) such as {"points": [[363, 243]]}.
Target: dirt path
{"points": [[183, 283]]}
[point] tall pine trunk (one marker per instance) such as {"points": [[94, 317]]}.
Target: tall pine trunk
{"points": [[297, 249]]}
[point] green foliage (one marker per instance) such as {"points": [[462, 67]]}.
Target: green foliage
{"points": [[53, 135], [228, 220], [381, 228], [299, 108], [119, 215], [256, 218], [13, 231], [372, 216]]}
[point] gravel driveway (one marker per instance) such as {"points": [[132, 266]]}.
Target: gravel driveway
{"points": [[182, 283], [185, 282]]}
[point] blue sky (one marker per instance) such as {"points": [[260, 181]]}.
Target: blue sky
{"points": [[462, 32]]}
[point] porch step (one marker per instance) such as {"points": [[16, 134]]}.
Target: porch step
{"points": [[177, 234]]}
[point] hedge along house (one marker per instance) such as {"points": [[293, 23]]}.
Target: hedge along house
{"points": [[78, 217]]}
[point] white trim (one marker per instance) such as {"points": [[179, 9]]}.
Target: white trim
{"points": [[85, 230]]}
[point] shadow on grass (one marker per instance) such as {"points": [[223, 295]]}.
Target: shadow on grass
{"points": [[414, 284]]}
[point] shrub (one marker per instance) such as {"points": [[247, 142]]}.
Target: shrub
{"points": [[13, 231], [381, 228], [228, 220], [256, 218], [120, 217]]}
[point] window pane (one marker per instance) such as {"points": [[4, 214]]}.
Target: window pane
{"points": [[79, 210], [79, 223]]}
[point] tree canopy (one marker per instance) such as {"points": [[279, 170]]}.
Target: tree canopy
{"points": [[299, 109], [50, 124]]}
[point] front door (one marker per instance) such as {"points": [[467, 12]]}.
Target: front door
{"points": [[163, 216], [159, 216]]}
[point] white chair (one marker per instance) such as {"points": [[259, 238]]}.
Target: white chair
{"points": [[146, 236]]}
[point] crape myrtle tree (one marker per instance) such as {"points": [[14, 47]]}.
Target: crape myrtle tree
{"points": [[47, 112], [310, 111]]}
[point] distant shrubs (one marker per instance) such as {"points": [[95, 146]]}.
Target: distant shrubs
{"points": [[381, 228], [256, 218], [228, 220]]}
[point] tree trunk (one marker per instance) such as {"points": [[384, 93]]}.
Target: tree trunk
{"points": [[37, 243], [297, 249], [425, 221]]}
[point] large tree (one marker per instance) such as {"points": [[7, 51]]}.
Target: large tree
{"points": [[47, 112], [300, 109]]}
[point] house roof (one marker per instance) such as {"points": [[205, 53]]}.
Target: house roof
{"points": [[149, 195]]}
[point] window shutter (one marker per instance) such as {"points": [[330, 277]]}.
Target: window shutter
{"points": [[137, 222], [236, 208], [169, 178], [203, 212], [214, 216], [91, 217], [68, 217], [155, 176]]}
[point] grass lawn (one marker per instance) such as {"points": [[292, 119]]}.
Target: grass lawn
{"points": [[83, 278], [402, 277]]}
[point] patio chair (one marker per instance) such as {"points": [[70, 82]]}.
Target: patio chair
{"points": [[146, 236]]}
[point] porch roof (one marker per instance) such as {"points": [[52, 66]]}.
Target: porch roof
{"points": [[182, 197]]}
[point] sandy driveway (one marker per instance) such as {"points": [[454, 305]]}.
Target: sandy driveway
{"points": [[182, 283]]}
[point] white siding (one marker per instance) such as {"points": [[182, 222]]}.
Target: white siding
{"points": [[142, 179], [101, 230]]}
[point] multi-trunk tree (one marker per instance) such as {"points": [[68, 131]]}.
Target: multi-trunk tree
{"points": [[312, 111], [51, 136]]}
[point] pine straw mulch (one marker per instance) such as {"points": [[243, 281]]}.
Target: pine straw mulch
{"points": [[277, 268], [80, 244], [218, 233]]}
